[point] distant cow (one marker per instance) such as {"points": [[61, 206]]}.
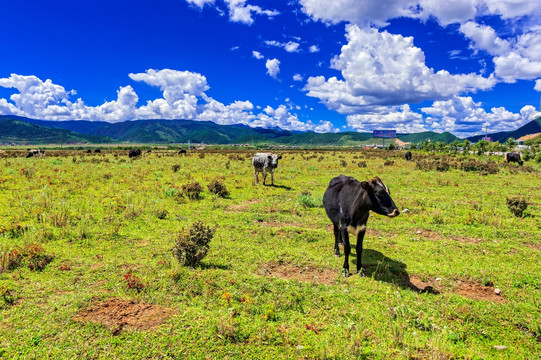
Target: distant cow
{"points": [[89, 151], [408, 155], [265, 162], [97, 151], [182, 152], [348, 203], [35, 152], [134, 153], [513, 157]]}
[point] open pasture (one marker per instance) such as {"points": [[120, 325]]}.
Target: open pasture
{"points": [[95, 276]]}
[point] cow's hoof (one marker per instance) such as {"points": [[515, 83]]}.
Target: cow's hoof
{"points": [[336, 255], [345, 272], [361, 273]]}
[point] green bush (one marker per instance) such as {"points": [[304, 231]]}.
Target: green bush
{"points": [[517, 205], [193, 244], [192, 190], [217, 187]]}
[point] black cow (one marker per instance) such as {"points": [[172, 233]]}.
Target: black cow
{"points": [[348, 203], [513, 157], [88, 151], [35, 152], [408, 155], [97, 151], [182, 152], [134, 153]]}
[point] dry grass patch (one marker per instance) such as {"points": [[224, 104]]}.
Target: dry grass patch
{"points": [[300, 273], [533, 246], [242, 206], [433, 235]]}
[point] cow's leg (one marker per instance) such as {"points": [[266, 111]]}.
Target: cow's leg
{"points": [[256, 176], [336, 229], [272, 177], [264, 176], [347, 249], [359, 250]]}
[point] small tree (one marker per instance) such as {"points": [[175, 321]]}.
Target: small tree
{"points": [[466, 145], [441, 146], [510, 144], [481, 147]]}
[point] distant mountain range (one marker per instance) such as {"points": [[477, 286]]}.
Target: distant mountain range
{"points": [[532, 127], [20, 130]]}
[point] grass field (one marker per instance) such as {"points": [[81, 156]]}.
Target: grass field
{"points": [[87, 269]]}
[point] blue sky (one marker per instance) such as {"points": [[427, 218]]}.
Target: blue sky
{"points": [[318, 65]]}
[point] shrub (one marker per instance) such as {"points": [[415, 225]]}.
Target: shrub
{"points": [[217, 187], [432, 165], [31, 255], [192, 190], [388, 163], [517, 205], [176, 168], [133, 282], [343, 163], [362, 164], [193, 244]]}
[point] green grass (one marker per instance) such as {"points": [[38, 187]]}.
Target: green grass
{"points": [[103, 216]]}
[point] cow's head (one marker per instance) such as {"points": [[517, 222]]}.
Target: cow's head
{"points": [[273, 160], [380, 196]]}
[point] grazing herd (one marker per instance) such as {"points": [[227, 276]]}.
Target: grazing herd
{"points": [[347, 201]]}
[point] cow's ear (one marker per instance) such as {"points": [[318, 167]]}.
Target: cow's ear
{"points": [[365, 185], [279, 157]]}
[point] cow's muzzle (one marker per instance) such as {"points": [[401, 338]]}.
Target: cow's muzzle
{"points": [[395, 213]]}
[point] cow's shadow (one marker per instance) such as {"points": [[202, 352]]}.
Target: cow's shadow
{"points": [[280, 187], [382, 268]]}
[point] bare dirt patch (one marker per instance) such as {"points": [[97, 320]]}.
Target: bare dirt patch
{"points": [[279, 224], [476, 291], [467, 288], [416, 283], [300, 273], [116, 314], [433, 235]]}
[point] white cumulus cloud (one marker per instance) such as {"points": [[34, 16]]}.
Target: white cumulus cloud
{"points": [[240, 11], [465, 117], [399, 118], [273, 67], [257, 55], [200, 3], [290, 46], [184, 97], [380, 68]]}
